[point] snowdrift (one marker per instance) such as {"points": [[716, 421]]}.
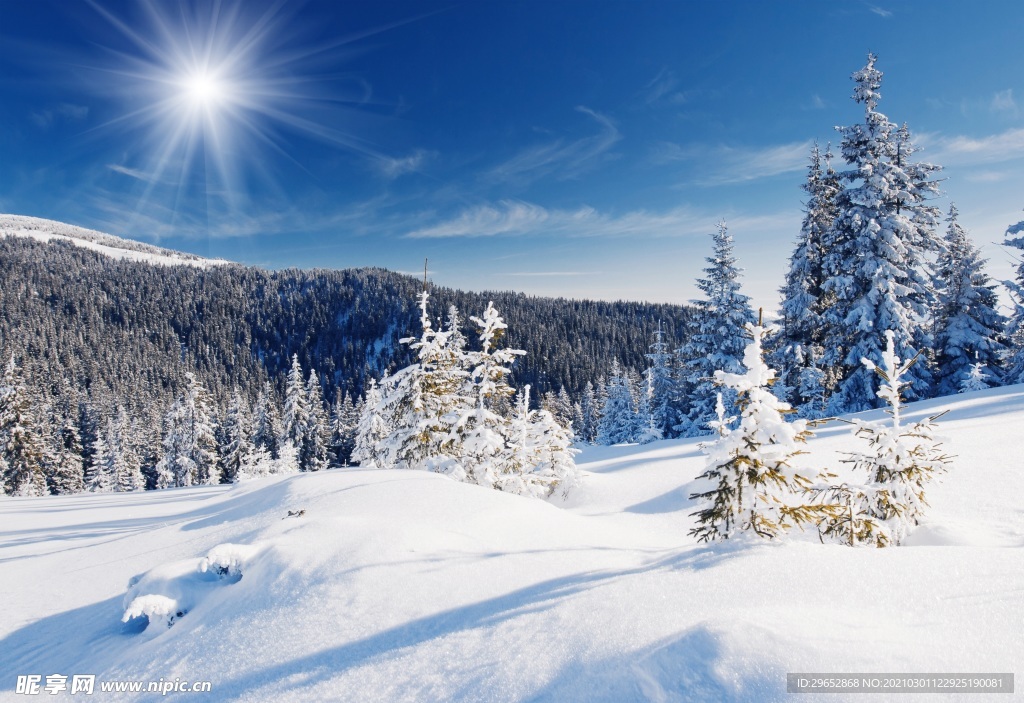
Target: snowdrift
{"points": [[395, 586]]}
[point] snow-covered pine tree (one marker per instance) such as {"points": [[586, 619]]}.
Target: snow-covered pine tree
{"points": [[481, 430], [1014, 354], [344, 424], [236, 451], [750, 466], [875, 262], [101, 477], [266, 422], [190, 447], [899, 464], [537, 459], [660, 382], [421, 403], [589, 415], [799, 341], [716, 341], [316, 430], [371, 431], [21, 447], [975, 380], [618, 416], [126, 464], [66, 473], [968, 326], [296, 406]]}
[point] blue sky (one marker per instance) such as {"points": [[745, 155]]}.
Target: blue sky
{"points": [[571, 148]]}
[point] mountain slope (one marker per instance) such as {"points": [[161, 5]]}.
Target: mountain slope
{"points": [[401, 586], [114, 247]]}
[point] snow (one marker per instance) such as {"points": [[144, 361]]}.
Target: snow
{"points": [[408, 586], [115, 247]]}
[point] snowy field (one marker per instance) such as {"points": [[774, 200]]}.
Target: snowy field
{"points": [[399, 586]]}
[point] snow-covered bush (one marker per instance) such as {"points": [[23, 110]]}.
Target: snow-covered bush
{"points": [[155, 608]]}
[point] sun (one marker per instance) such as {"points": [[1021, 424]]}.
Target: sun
{"points": [[209, 90], [203, 89]]}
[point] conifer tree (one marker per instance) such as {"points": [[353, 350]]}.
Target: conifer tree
{"points": [[716, 340], [126, 464], [800, 338], [660, 389], [315, 430], [875, 263], [976, 380], [1014, 354], [237, 450], [190, 447], [589, 415], [67, 471], [899, 463], [618, 416], [266, 423], [750, 466], [371, 431], [101, 478], [296, 405], [21, 447], [344, 424], [968, 324]]}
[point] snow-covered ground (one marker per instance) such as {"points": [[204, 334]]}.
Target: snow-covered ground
{"points": [[115, 247], [401, 586]]}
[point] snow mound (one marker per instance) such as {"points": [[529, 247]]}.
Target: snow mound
{"points": [[114, 247]]}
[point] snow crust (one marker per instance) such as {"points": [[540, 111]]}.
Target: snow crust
{"points": [[115, 247], [407, 586]]}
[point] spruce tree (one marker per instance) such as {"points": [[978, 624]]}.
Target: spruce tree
{"points": [[968, 326], [800, 341], [754, 483], [296, 405], [315, 430], [1014, 354], [716, 340], [660, 381], [236, 450], [618, 416], [875, 262], [21, 447]]}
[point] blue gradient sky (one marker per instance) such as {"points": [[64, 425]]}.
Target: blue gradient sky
{"points": [[566, 148]]}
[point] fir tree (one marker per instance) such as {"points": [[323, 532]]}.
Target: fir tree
{"points": [[67, 472], [371, 431], [660, 388], [899, 464], [296, 405], [266, 423], [968, 324], [716, 340], [190, 447], [237, 450], [315, 429], [750, 466], [126, 464], [976, 380], [800, 338], [618, 416], [1014, 354], [876, 252], [21, 447]]}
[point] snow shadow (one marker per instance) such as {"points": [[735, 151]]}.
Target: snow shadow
{"points": [[687, 667], [68, 643], [317, 667]]}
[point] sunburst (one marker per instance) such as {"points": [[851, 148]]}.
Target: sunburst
{"points": [[207, 88]]}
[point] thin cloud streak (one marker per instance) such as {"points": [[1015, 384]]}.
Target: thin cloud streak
{"points": [[562, 160], [728, 165], [967, 151], [519, 218]]}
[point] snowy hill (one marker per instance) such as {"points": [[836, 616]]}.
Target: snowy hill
{"points": [[400, 586], [109, 245]]}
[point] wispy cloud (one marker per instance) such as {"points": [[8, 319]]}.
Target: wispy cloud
{"points": [[551, 274], [519, 218], [1003, 101], [561, 159], [131, 172], [966, 151], [881, 12], [724, 165], [395, 167], [663, 89], [816, 103], [63, 112]]}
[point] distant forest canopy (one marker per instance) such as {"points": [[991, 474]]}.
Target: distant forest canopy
{"points": [[125, 333]]}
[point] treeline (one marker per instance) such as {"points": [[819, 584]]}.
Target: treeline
{"points": [[98, 341]]}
